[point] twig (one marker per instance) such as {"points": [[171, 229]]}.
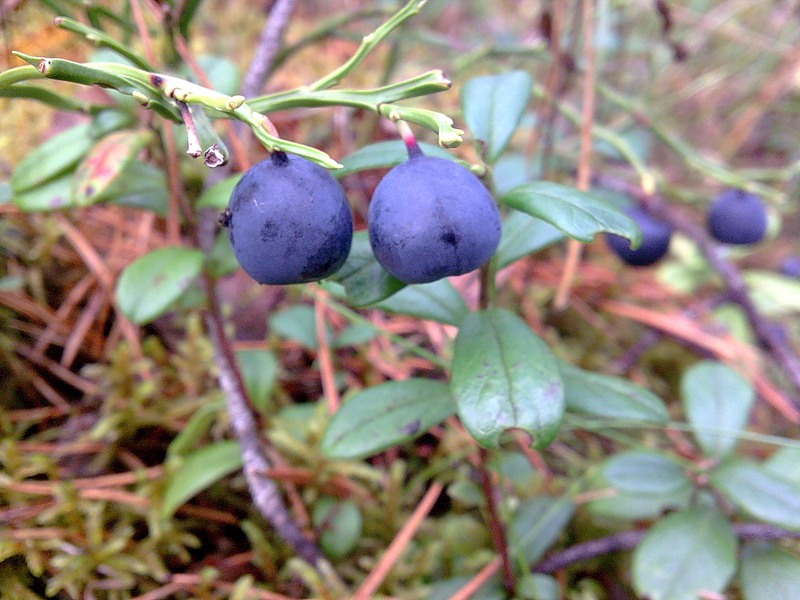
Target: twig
{"points": [[628, 540], [574, 247], [265, 492], [269, 44], [399, 543], [326, 369], [474, 584], [736, 288], [496, 528]]}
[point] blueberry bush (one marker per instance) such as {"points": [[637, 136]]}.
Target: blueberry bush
{"points": [[290, 313]]}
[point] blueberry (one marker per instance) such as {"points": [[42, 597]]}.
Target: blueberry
{"points": [[431, 218], [791, 266], [288, 221], [737, 217], [655, 240]]}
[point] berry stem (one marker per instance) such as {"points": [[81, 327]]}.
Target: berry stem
{"points": [[408, 139]]}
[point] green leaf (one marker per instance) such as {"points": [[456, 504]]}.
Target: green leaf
{"points": [[299, 324], [610, 397], [259, 369], [223, 75], [645, 473], [493, 106], [769, 573], [5, 192], [199, 471], [386, 415], [339, 525], [152, 283], [537, 524], [758, 492], [774, 295], [446, 589], [196, 427], [141, 185], [785, 464], [52, 195], [362, 276], [684, 554], [221, 260], [580, 215], [511, 171], [504, 376], [438, 301], [355, 334], [523, 235], [105, 163], [54, 157], [717, 403], [632, 507], [538, 586], [382, 155], [218, 195]]}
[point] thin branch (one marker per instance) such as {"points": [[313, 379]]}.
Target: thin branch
{"points": [[269, 44], [265, 492], [628, 540], [495, 524]]}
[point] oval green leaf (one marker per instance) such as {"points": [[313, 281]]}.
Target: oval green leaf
{"points": [[578, 214], [758, 492], [717, 402], [152, 283], [685, 553], [504, 376], [51, 195], [385, 415], [645, 473], [610, 397], [438, 301], [493, 106], [52, 158], [364, 279], [339, 525], [218, 195], [537, 524], [199, 471], [140, 185], [382, 155], [259, 369], [769, 573]]}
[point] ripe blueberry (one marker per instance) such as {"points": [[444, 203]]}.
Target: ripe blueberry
{"points": [[791, 266], [288, 221], [431, 218], [737, 217], [655, 240]]}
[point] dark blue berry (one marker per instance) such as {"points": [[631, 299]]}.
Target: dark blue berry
{"points": [[737, 217], [655, 240], [289, 221], [431, 218]]}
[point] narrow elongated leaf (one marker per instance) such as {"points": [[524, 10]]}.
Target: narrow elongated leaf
{"points": [[196, 427], [150, 285], [645, 473], [610, 397], [385, 415], [362, 276], [200, 470], [523, 235], [758, 492], [493, 106], [382, 155], [106, 162], [54, 157], [504, 376], [438, 301], [769, 573], [51, 195], [685, 553], [537, 524], [717, 402], [578, 214]]}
